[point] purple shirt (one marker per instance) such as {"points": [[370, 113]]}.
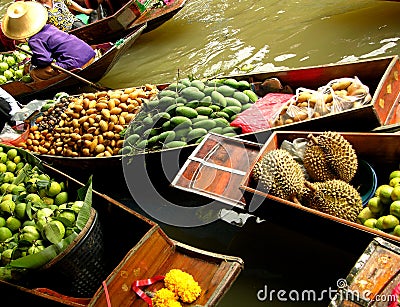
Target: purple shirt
{"points": [[51, 44]]}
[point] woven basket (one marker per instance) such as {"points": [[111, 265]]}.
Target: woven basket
{"points": [[80, 269]]}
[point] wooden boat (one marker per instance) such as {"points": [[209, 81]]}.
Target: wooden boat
{"points": [[124, 18], [383, 161], [142, 251], [378, 74], [373, 279], [25, 92]]}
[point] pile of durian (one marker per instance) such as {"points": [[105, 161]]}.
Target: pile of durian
{"points": [[329, 164]]}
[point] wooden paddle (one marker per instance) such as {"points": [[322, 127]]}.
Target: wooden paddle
{"points": [[55, 66]]}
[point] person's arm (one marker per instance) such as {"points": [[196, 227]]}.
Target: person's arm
{"points": [[41, 57], [76, 7]]}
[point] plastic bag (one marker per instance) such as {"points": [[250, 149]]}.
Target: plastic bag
{"points": [[347, 93], [298, 108]]}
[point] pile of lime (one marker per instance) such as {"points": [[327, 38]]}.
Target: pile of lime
{"points": [[12, 66], [185, 111], [383, 210], [34, 208]]}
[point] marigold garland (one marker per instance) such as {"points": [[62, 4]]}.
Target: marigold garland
{"points": [[183, 284], [179, 285], [165, 298]]}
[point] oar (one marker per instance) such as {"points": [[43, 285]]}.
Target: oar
{"points": [[55, 66]]}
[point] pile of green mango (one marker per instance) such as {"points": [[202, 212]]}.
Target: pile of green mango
{"points": [[383, 210], [12, 67], [185, 111]]}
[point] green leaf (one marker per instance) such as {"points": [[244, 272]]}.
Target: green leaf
{"points": [[52, 233], [84, 213], [41, 258], [22, 174]]}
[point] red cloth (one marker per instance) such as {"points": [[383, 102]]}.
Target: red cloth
{"points": [[257, 116]]}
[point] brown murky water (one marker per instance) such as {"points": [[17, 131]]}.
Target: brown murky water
{"points": [[218, 37]]}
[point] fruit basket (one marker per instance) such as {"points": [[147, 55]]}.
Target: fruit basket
{"points": [[45, 237]]}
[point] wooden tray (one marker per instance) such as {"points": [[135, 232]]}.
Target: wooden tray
{"points": [[381, 150], [216, 168]]}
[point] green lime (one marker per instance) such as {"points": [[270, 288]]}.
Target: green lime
{"points": [[12, 153], [8, 177], [33, 198], [3, 167], [13, 223], [53, 189], [20, 211], [395, 195], [5, 233], [61, 198], [375, 205], [371, 223], [6, 256], [68, 218], [396, 231], [2, 221], [3, 157], [44, 177], [17, 159], [29, 233], [394, 174], [7, 206], [394, 182]]}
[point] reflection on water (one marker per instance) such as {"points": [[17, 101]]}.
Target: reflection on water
{"points": [[222, 37]]}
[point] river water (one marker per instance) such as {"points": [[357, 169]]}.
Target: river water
{"points": [[219, 37]]}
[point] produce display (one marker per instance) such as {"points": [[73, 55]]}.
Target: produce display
{"points": [[330, 163], [12, 66], [338, 95], [185, 111], [35, 214], [88, 125], [383, 210]]}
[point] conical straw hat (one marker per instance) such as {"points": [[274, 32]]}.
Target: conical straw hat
{"points": [[24, 19]]}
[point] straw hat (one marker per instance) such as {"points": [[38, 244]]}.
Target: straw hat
{"points": [[24, 19]]}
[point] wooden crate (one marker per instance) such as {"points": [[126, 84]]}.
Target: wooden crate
{"points": [[381, 150]]}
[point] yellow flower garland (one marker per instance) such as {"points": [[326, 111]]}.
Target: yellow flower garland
{"points": [[179, 285]]}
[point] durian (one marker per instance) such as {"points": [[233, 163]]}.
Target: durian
{"points": [[279, 174], [335, 197], [330, 156]]}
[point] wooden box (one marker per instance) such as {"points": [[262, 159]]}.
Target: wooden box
{"points": [[381, 150], [372, 279]]}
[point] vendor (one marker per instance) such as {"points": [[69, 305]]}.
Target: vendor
{"points": [[8, 107], [48, 44], [60, 14]]}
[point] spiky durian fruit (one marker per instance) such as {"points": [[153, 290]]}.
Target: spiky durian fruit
{"points": [[335, 197], [330, 156], [279, 174]]}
